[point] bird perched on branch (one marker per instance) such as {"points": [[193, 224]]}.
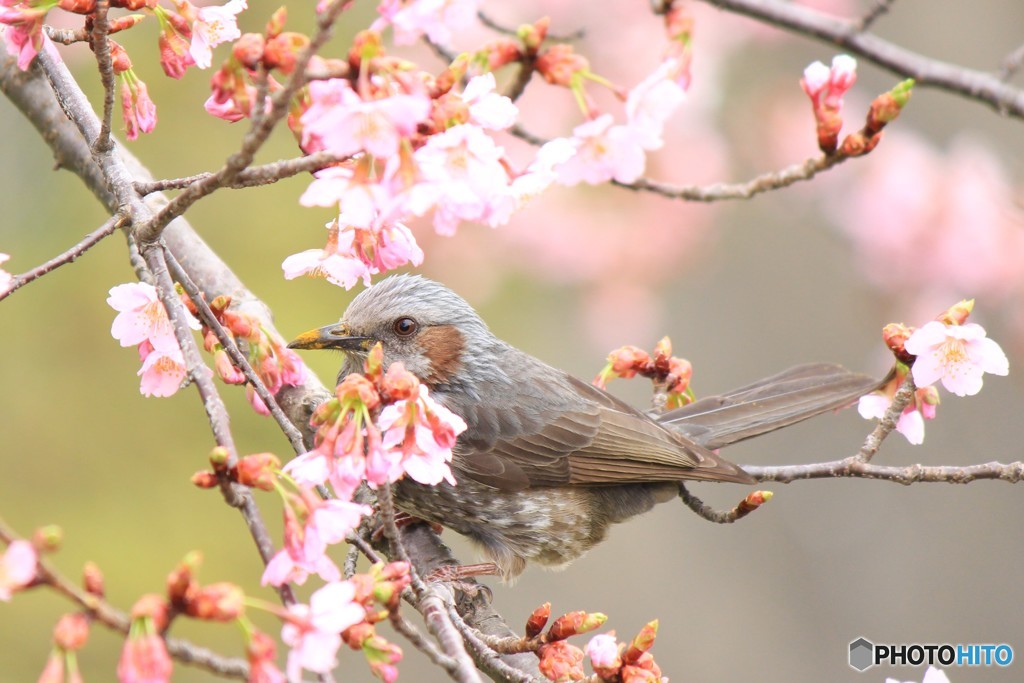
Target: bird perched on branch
{"points": [[549, 462]]}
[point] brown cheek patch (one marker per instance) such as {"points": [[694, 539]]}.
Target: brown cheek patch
{"points": [[442, 345]]}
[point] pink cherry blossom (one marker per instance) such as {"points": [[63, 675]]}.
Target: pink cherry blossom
{"points": [[652, 101], [137, 108], [463, 167], [336, 262], [330, 522], [910, 423], [603, 651], [5, 277], [142, 317], [162, 371], [213, 26], [144, 659], [956, 354], [487, 108], [436, 19], [17, 568], [313, 631], [603, 152], [228, 109], [23, 31], [423, 431], [297, 560], [340, 121]]}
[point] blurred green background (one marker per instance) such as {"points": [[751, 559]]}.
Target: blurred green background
{"points": [[758, 286]]}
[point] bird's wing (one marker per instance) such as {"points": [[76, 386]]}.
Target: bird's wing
{"points": [[579, 435], [769, 404]]}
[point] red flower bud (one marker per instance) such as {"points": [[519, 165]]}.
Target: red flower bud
{"points": [[538, 620]]}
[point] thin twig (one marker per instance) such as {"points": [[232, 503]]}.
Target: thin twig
{"points": [[911, 474], [1011, 64], [237, 357], [486, 658], [253, 176], [116, 620], [888, 422], [877, 10], [486, 20], [433, 605], [101, 47], [69, 256], [702, 509], [974, 85], [412, 634]]}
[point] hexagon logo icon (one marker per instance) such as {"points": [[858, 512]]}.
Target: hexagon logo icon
{"points": [[862, 653]]}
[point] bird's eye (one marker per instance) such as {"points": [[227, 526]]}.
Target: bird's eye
{"points": [[405, 327]]}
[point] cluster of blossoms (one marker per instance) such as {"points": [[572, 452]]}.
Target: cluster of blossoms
{"points": [[665, 370], [611, 661], [826, 86], [379, 427], [142, 321], [268, 355], [414, 144], [187, 36], [948, 350]]}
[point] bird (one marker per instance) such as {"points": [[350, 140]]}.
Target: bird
{"points": [[548, 462]]}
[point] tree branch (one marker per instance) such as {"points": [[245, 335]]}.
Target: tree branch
{"points": [[88, 242], [975, 85]]}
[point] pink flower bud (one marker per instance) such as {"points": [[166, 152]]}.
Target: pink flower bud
{"points": [[559, 63], [71, 631]]}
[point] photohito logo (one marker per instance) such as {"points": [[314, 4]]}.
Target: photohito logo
{"points": [[864, 654]]}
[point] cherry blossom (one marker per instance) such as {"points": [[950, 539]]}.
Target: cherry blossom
{"points": [[330, 521], [462, 167], [910, 423], [958, 355], [211, 26], [423, 431], [313, 631], [652, 101], [826, 88], [137, 107], [162, 371], [603, 650], [436, 19], [17, 568], [336, 261], [23, 31], [340, 121], [603, 152], [297, 560], [487, 108], [144, 657], [142, 317], [175, 32]]}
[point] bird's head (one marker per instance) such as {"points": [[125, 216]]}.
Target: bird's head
{"points": [[419, 322]]}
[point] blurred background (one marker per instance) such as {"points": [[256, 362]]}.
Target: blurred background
{"points": [[744, 289]]}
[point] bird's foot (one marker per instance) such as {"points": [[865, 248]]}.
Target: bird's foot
{"points": [[402, 520], [457, 575]]}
